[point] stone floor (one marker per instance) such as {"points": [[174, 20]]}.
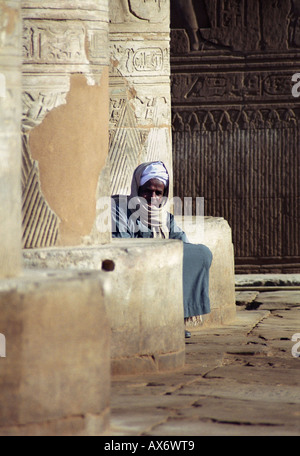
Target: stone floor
{"points": [[239, 380]]}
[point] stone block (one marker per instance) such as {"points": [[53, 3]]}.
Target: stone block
{"points": [[215, 233], [55, 378], [145, 308]]}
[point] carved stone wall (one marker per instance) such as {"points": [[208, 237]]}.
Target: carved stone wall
{"points": [[140, 114], [65, 120], [236, 122], [10, 145]]}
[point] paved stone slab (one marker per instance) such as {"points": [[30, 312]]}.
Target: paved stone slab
{"points": [[232, 411], [245, 297], [259, 375], [283, 297], [239, 379], [178, 427], [272, 306], [247, 391], [278, 330]]}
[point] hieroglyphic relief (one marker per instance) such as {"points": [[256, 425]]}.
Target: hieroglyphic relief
{"points": [[40, 224], [153, 118], [138, 10], [151, 110], [134, 59], [235, 119], [294, 24], [138, 132], [69, 42], [52, 42], [192, 17], [98, 46], [140, 87], [232, 86], [260, 197], [39, 101], [236, 25], [125, 144]]}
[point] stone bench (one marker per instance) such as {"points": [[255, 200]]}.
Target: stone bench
{"points": [[216, 234], [55, 378], [145, 308]]}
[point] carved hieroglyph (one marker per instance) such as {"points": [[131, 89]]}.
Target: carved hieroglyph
{"points": [[236, 125], [139, 11], [61, 39], [140, 106]]}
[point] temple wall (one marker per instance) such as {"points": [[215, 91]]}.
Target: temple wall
{"points": [[236, 124], [65, 120]]}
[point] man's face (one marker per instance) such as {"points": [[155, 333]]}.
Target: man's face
{"points": [[153, 192]]}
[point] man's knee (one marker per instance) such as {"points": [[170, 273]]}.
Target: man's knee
{"points": [[206, 254]]}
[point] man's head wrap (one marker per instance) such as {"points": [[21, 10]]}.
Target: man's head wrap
{"points": [[155, 170], [142, 170]]}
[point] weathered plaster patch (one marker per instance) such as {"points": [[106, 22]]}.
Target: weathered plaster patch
{"points": [[71, 147]]}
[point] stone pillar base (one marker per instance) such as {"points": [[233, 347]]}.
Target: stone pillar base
{"points": [[144, 364], [145, 308], [75, 426], [55, 378]]}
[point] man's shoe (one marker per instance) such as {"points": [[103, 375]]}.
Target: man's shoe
{"points": [[187, 334]]}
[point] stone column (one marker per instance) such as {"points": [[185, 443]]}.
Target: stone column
{"points": [[140, 103], [54, 333], [65, 120], [10, 114]]}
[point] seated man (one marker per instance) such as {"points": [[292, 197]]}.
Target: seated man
{"points": [[143, 215]]}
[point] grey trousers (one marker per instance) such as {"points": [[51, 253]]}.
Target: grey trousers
{"points": [[197, 260]]}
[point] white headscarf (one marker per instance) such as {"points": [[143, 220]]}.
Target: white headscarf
{"points": [[153, 217], [155, 170]]}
